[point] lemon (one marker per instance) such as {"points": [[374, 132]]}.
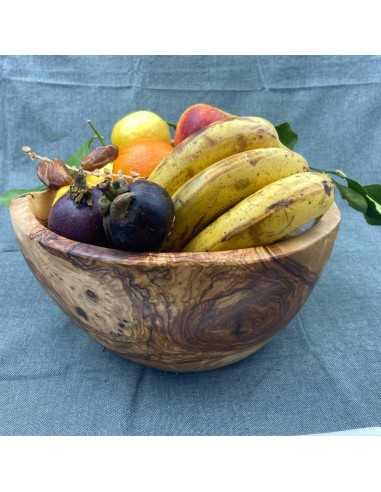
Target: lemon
{"points": [[91, 181], [140, 124]]}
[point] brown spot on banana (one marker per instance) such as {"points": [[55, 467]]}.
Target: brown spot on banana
{"points": [[240, 184], [281, 204], [327, 187]]}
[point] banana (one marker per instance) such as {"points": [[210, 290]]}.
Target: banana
{"points": [[215, 142], [223, 184], [269, 214]]}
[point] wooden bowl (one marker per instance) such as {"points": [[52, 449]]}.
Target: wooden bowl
{"points": [[175, 311]]}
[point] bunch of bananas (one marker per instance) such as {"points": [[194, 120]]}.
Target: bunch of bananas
{"points": [[235, 185]]}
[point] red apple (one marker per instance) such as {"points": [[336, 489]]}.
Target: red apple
{"points": [[196, 118]]}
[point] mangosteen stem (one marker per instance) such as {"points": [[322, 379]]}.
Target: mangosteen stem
{"points": [[80, 180]]}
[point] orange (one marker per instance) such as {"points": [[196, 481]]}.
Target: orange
{"points": [[141, 156]]}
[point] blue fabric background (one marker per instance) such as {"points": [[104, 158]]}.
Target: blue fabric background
{"points": [[320, 374]]}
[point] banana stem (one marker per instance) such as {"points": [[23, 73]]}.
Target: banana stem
{"points": [[338, 173], [96, 132]]}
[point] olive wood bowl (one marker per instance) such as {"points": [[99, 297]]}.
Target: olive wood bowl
{"points": [[175, 311]]}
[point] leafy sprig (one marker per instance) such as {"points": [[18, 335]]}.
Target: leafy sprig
{"points": [[366, 199]]}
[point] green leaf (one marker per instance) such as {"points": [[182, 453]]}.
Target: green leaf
{"points": [[373, 215], [287, 135], [373, 221], [355, 199], [85, 149], [8, 196], [365, 199], [374, 191]]}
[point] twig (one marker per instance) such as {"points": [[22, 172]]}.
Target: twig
{"points": [[33, 155], [96, 133]]}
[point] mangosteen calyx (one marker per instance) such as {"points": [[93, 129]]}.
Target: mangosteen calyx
{"points": [[79, 191], [119, 187], [120, 204], [104, 205], [111, 191]]}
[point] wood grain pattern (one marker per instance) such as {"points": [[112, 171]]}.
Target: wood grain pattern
{"points": [[175, 311]]}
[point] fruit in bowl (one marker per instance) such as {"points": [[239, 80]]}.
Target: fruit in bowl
{"points": [[137, 125], [137, 216], [141, 156], [183, 258], [77, 216], [197, 117]]}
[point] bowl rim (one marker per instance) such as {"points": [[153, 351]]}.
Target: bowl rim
{"points": [[25, 221]]}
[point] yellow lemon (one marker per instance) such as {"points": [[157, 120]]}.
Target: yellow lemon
{"points": [[137, 125], [91, 181]]}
